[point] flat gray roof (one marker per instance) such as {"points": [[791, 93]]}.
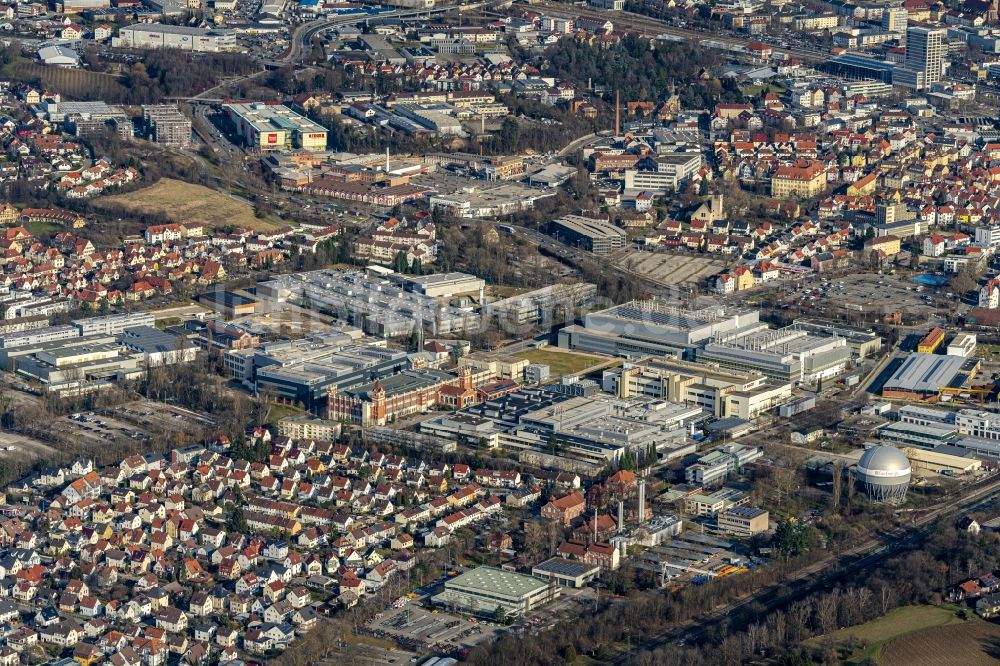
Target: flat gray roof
{"points": [[925, 373], [491, 581], [591, 227]]}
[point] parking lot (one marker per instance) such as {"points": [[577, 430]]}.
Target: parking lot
{"points": [[18, 447], [137, 421], [671, 268], [871, 293], [418, 628]]}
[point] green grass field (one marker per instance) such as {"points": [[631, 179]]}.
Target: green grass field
{"points": [[971, 643], [878, 633], [562, 362], [278, 412], [41, 229], [184, 202]]}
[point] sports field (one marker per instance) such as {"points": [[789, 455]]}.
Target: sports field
{"points": [[184, 202]]}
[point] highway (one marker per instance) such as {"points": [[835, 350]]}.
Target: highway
{"points": [[575, 145], [306, 32], [819, 575]]}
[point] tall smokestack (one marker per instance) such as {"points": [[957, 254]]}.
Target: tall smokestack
{"points": [[595, 525], [618, 113], [387, 160], [621, 516], [642, 501]]}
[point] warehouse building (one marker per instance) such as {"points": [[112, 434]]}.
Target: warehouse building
{"points": [[591, 234], [62, 111], [671, 170], [484, 589], [398, 396], [228, 304], [922, 376], [913, 435], [161, 36], [943, 459], [274, 127], [96, 358], [107, 325], [166, 125], [58, 55], [157, 348]]}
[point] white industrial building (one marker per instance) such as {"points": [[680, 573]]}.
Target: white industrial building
{"points": [[556, 303], [976, 423], [185, 38], [582, 433], [653, 328], [379, 306], [714, 467], [58, 55], [963, 344], [785, 354]]}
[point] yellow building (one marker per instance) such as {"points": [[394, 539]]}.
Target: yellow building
{"points": [[888, 245], [744, 278], [863, 186], [8, 214], [930, 342], [500, 365], [941, 463], [805, 179]]}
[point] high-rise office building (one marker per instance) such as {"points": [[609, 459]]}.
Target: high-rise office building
{"points": [[924, 61]]}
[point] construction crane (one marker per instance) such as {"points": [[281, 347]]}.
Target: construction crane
{"points": [[980, 393]]}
